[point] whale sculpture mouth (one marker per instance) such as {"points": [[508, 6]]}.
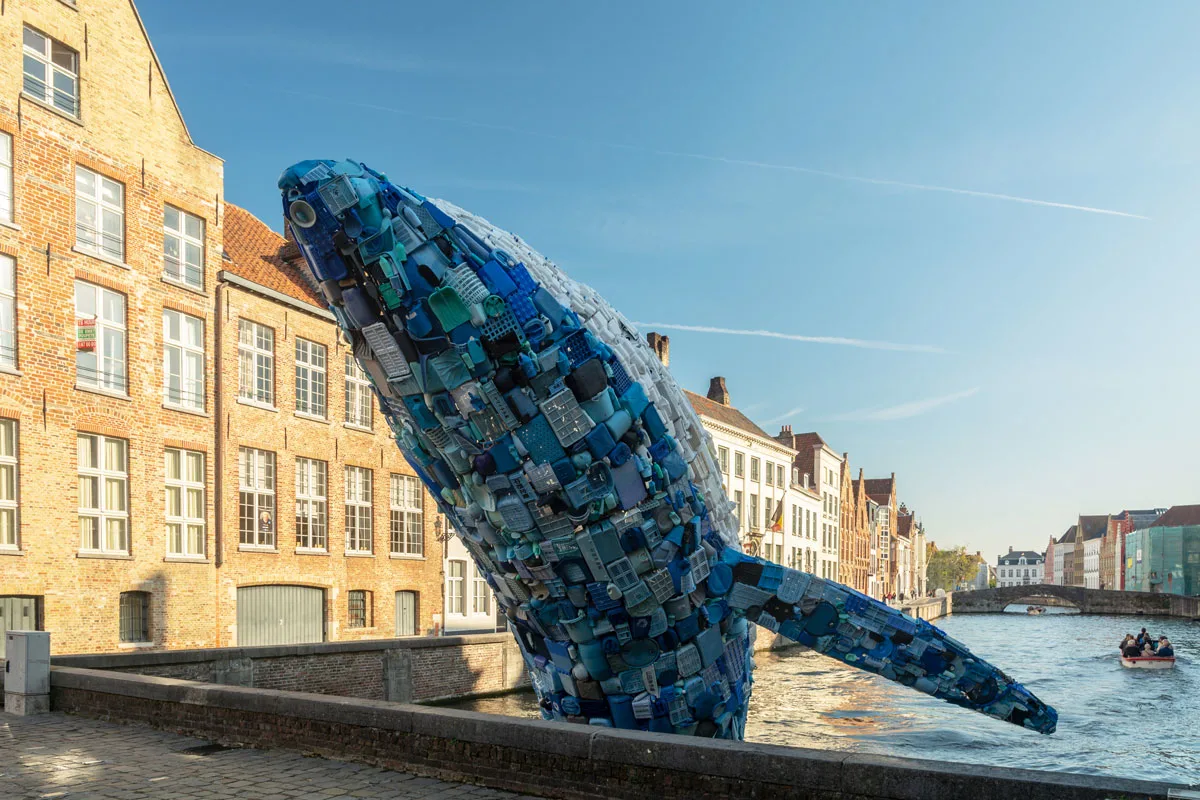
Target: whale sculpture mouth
{"points": [[579, 478]]}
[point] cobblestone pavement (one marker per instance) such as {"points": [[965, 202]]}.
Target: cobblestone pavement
{"points": [[58, 756]]}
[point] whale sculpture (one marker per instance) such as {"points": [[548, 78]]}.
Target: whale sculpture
{"points": [[579, 477]]}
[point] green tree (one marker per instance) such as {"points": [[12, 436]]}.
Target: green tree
{"points": [[948, 568]]}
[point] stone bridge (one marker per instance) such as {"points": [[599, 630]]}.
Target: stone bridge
{"points": [[1088, 601]]}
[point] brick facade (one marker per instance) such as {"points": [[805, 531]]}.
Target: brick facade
{"points": [[128, 129]]}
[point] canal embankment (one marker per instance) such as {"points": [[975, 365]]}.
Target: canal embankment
{"points": [[573, 762]]}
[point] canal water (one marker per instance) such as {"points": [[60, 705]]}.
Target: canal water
{"points": [[1112, 721]]}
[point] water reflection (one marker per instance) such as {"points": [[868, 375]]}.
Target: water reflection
{"points": [[1113, 721]]}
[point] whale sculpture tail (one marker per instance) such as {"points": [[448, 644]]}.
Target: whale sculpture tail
{"points": [[578, 476]]}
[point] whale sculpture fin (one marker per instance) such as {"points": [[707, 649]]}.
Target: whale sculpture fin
{"points": [[862, 632]]}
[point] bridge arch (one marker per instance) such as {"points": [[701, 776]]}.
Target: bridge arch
{"points": [[1088, 601]]}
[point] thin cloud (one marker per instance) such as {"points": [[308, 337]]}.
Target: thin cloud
{"points": [[866, 344], [904, 410], [784, 416], [741, 162]]}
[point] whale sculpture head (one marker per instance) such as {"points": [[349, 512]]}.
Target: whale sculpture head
{"points": [[578, 476]]}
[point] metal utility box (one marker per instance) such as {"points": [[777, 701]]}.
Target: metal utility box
{"points": [[27, 664]]}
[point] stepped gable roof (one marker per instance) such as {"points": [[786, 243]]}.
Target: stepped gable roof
{"points": [[256, 253], [1178, 516], [727, 415]]}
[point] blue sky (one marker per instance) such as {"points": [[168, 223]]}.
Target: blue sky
{"points": [[711, 167]]}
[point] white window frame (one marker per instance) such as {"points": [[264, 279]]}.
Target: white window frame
{"points": [[185, 530], [456, 602], [755, 469], [190, 394], [256, 364], [102, 474], [481, 593], [8, 312], [770, 473], [7, 199], [180, 269], [407, 517], [311, 384], [256, 493], [95, 241], [10, 508], [358, 390], [106, 329], [739, 464], [46, 91], [312, 505], [359, 509]]}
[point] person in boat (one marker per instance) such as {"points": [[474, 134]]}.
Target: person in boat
{"points": [[1164, 648], [1131, 649], [1143, 638]]}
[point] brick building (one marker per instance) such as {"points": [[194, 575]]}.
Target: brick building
{"points": [[854, 564], [883, 492], [120, 430]]}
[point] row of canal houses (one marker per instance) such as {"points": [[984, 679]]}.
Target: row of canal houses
{"points": [[1143, 550]]}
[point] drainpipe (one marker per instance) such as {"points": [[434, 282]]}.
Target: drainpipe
{"points": [[218, 452]]}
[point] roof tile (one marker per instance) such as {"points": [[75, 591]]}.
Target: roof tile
{"points": [[256, 253]]}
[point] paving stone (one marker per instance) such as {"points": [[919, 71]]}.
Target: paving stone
{"points": [[56, 757]]}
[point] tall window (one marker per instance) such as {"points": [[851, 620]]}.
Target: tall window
{"points": [[739, 465], [8, 312], [135, 616], [779, 475], [8, 484], [361, 609], [256, 497], [770, 474], [100, 337], [310, 504], [481, 594], [455, 579], [51, 72], [310, 378], [358, 510], [6, 177], [359, 399], [185, 502], [737, 502], [723, 459], [753, 512], [256, 363], [183, 360], [754, 468], [408, 519], [99, 215], [103, 494], [183, 247]]}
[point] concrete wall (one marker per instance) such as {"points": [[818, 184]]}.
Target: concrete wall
{"points": [[549, 759], [929, 608], [401, 670]]}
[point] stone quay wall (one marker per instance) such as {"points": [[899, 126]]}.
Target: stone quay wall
{"points": [[556, 760], [407, 670]]}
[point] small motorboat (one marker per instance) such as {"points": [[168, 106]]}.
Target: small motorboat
{"points": [[1035, 610], [1148, 662]]}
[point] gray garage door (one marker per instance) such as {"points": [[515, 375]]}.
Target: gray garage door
{"points": [[280, 614], [406, 613], [18, 613]]}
